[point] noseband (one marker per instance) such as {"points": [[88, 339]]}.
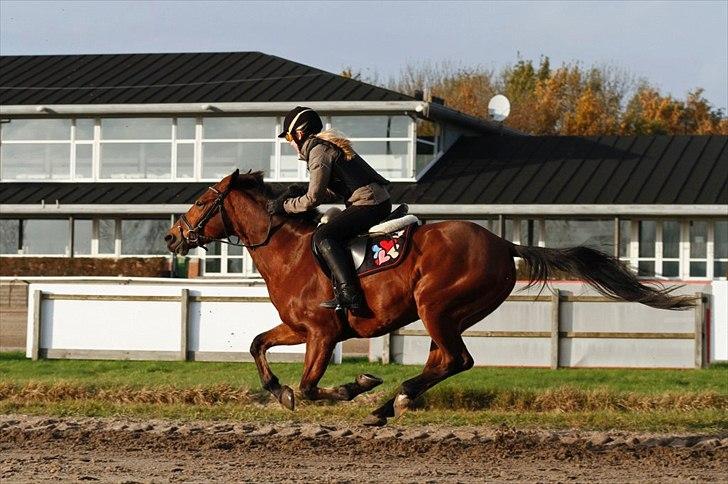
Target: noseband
{"points": [[194, 236]]}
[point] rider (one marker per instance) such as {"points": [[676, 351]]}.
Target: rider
{"points": [[335, 171]]}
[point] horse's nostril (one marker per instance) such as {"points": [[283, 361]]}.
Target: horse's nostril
{"points": [[168, 238]]}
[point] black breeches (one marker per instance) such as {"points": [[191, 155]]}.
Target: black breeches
{"points": [[353, 221]]}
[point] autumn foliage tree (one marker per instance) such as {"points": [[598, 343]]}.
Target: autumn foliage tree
{"points": [[567, 100]]}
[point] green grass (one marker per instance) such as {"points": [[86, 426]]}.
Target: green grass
{"points": [[656, 400]]}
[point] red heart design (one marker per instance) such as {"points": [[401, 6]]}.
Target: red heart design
{"points": [[386, 244]]}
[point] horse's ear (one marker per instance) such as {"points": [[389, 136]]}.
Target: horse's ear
{"points": [[235, 175]]}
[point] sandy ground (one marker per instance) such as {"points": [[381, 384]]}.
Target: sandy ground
{"points": [[123, 450]]}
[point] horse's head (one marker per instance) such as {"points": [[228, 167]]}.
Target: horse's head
{"points": [[207, 220]]}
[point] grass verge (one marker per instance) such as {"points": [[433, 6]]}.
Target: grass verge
{"points": [[655, 400]]}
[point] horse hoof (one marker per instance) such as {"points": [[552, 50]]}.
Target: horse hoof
{"points": [[366, 381], [401, 404], [375, 421], [287, 399]]}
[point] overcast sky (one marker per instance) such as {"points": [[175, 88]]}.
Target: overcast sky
{"points": [[675, 45]]}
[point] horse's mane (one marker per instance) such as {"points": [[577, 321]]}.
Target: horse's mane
{"points": [[253, 181]]}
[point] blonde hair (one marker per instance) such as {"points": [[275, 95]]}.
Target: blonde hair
{"points": [[337, 138]]}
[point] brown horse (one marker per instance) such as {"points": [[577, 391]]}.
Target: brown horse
{"points": [[456, 274]]}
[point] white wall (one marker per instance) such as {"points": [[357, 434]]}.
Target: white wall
{"points": [[132, 329], [719, 322]]}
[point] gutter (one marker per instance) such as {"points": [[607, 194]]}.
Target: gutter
{"points": [[424, 109]]}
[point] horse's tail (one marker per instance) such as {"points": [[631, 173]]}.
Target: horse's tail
{"points": [[605, 273]]}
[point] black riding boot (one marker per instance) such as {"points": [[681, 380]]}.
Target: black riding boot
{"points": [[346, 288]]}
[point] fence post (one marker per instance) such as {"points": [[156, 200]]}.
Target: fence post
{"points": [[184, 323], [35, 349], [555, 327], [385, 348], [699, 330]]}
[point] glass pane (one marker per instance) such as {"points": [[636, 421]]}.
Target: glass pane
{"points": [[239, 128], [186, 128], [36, 129], [144, 237], [425, 154], [720, 269], [136, 128], [289, 162], [48, 237], [221, 159], [671, 239], [389, 158], [84, 129], [107, 229], [625, 227], [185, 160], [380, 126], [212, 265], [697, 269], [82, 237], [698, 240], [670, 268], [234, 250], [508, 230], [84, 155], [9, 233], [235, 265], [646, 268], [35, 162], [136, 160], [647, 236], [597, 234], [721, 239]]}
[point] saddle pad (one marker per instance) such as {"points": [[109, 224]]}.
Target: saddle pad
{"points": [[386, 251]]}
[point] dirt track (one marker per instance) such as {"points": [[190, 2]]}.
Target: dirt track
{"points": [[92, 449]]}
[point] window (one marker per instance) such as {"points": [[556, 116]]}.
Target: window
{"points": [[246, 143], [9, 236], [227, 260], [35, 149], [384, 141], [720, 248], [135, 148], [698, 249], [45, 237], [597, 234], [195, 148], [144, 237], [428, 137], [82, 235]]}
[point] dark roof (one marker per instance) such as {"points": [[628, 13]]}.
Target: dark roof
{"points": [[690, 170], [577, 170], [174, 78]]}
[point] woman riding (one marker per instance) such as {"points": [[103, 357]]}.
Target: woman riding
{"points": [[335, 171]]}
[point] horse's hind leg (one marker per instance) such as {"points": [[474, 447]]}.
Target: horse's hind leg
{"points": [[448, 356], [280, 335]]}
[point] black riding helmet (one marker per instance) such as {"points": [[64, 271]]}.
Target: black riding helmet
{"points": [[303, 118]]}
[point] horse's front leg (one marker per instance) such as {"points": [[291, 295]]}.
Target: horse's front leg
{"points": [[280, 335], [318, 355]]}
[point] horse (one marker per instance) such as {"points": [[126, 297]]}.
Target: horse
{"points": [[455, 274]]}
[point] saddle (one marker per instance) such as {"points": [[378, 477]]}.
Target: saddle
{"points": [[383, 247]]}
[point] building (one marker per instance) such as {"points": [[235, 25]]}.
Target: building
{"points": [[99, 152]]}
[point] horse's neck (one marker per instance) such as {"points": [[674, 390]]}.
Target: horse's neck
{"points": [[284, 252]]}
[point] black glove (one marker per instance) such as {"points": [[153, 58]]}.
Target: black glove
{"points": [[295, 191], [275, 207]]}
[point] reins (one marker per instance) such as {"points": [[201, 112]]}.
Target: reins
{"points": [[218, 205]]}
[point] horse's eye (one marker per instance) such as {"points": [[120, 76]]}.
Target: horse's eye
{"points": [[199, 203]]}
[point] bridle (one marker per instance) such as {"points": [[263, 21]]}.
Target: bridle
{"points": [[194, 238]]}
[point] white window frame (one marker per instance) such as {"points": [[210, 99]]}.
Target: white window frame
{"points": [[97, 144]]}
